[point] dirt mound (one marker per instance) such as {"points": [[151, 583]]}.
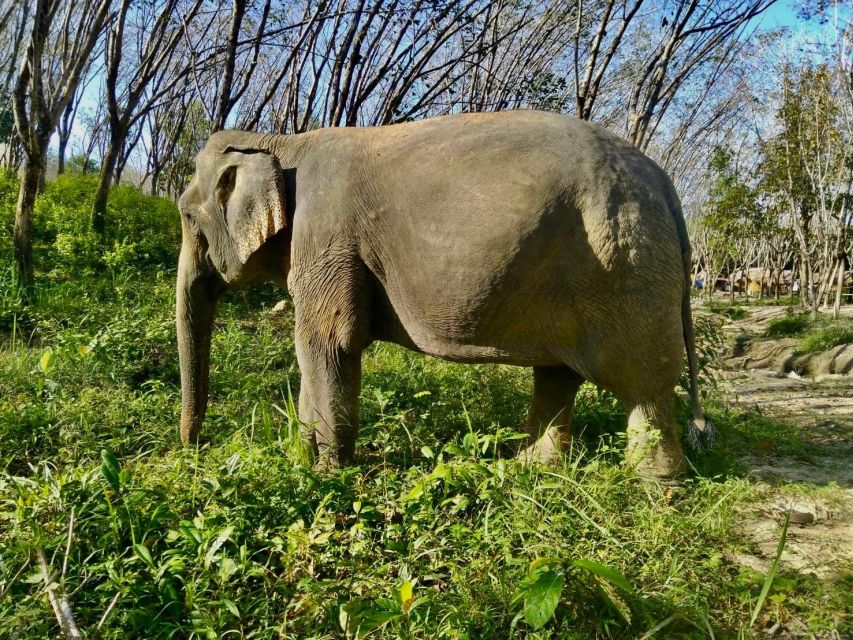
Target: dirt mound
{"points": [[781, 356], [810, 478]]}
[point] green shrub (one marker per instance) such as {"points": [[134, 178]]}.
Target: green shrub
{"points": [[788, 325], [734, 312], [827, 336], [12, 296], [8, 200], [141, 230]]}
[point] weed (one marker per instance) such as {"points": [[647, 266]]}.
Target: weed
{"points": [[788, 325], [732, 312], [434, 533], [827, 336]]}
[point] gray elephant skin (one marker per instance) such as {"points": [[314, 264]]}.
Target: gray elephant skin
{"points": [[522, 237]]}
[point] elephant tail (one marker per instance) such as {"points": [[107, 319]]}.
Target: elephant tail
{"points": [[700, 431]]}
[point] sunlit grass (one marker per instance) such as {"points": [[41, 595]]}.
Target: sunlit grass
{"points": [[434, 533]]}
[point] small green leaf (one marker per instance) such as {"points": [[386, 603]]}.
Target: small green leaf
{"points": [[142, 552], [768, 581], [538, 563], [404, 595], [541, 598], [374, 620], [231, 607], [111, 470], [217, 544], [47, 361], [190, 531], [603, 571]]}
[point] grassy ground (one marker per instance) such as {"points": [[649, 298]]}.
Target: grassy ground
{"points": [[817, 334], [433, 534]]}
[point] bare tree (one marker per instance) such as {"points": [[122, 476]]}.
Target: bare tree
{"points": [[164, 124], [139, 73], [610, 20], [223, 75], [14, 22], [69, 115], [371, 62], [60, 41], [693, 34]]}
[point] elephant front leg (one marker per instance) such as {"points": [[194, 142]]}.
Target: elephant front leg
{"points": [[329, 398], [548, 422]]}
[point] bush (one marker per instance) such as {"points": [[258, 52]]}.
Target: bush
{"points": [[144, 230], [141, 230], [788, 325], [817, 335], [826, 337], [734, 312]]}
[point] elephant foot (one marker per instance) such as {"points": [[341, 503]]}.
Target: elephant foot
{"points": [[554, 390], [654, 446], [654, 459], [546, 450], [334, 456]]}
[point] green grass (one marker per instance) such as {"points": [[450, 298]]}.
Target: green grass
{"points": [[827, 336], [433, 534], [788, 325], [815, 334], [731, 311]]}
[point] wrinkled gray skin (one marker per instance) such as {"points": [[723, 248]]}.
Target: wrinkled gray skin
{"points": [[524, 238]]}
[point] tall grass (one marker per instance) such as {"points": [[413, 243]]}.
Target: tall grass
{"points": [[433, 534]]}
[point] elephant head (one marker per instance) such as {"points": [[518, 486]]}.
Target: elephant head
{"points": [[235, 227]]}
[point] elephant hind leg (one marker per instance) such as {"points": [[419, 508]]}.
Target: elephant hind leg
{"points": [[654, 444], [549, 418]]}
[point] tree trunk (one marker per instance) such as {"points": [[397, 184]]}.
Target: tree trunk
{"points": [[42, 174], [60, 157], [23, 233], [836, 307], [105, 180], [732, 287], [155, 179]]}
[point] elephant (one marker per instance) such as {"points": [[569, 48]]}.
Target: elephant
{"points": [[520, 237]]}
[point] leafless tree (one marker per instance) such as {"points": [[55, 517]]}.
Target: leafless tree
{"points": [[140, 45], [69, 115], [222, 74], [692, 33], [61, 37]]}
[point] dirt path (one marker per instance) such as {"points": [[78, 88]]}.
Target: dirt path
{"points": [[813, 481]]}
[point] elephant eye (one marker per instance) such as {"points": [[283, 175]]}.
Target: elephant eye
{"points": [[226, 186]]}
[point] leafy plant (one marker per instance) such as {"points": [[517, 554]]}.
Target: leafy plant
{"points": [[435, 533], [826, 337], [788, 325]]}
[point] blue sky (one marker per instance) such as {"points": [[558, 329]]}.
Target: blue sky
{"points": [[782, 14]]}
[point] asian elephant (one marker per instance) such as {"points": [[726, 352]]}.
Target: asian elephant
{"points": [[521, 237]]}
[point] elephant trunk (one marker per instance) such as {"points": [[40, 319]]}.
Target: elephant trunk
{"points": [[198, 291]]}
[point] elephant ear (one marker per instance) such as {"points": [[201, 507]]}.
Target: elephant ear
{"points": [[251, 194]]}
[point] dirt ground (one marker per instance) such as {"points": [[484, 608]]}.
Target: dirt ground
{"points": [[814, 483]]}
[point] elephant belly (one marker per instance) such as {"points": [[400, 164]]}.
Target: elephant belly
{"points": [[510, 324], [619, 329]]}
